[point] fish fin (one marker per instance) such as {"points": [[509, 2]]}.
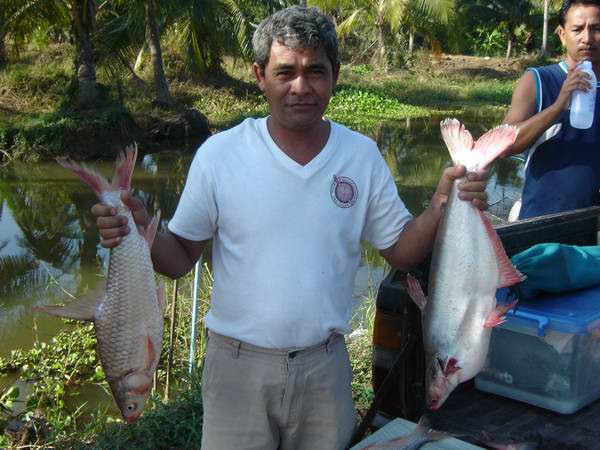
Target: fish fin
{"points": [[150, 353], [509, 275], [493, 143], [415, 292], [451, 367], [121, 180], [89, 176], [83, 308], [498, 315], [149, 233], [458, 140], [160, 296]]}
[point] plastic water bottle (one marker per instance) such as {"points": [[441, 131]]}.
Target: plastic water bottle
{"points": [[584, 102]]}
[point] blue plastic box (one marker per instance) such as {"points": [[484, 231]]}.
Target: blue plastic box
{"points": [[547, 353]]}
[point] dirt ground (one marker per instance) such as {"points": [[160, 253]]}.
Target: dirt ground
{"points": [[481, 66]]}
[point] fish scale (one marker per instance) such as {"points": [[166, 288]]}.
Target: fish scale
{"points": [[128, 314]]}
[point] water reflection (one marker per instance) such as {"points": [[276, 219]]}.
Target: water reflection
{"points": [[49, 243]]}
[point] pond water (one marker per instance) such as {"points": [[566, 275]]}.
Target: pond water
{"points": [[49, 248]]}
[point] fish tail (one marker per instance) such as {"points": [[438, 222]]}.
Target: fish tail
{"points": [[457, 139], [89, 176], [424, 428], [489, 146], [495, 142], [121, 180]]}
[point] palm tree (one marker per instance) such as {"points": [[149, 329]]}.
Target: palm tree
{"points": [[547, 6], [19, 18], [511, 13], [83, 19], [385, 15], [163, 96]]}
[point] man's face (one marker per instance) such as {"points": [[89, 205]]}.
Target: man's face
{"points": [[298, 84], [581, 34]]}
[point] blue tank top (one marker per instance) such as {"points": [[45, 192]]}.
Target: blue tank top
{"points": [[563, 171]]}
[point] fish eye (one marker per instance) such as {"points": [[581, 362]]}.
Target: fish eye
{"points": [[131, 407]]}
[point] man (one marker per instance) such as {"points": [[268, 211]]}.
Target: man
{"points": [[287, 200], [563, 163]]}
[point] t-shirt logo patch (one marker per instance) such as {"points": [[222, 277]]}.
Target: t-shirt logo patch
{"points": [[343, 191]]}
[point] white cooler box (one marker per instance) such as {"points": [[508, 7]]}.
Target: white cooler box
{"points": [[547, 353]]}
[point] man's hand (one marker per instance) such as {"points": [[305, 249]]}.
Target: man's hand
{"points": [[576, 81], [471, 190], [113, 228]]}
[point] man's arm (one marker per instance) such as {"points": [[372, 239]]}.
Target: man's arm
{"points": [[523, 108], [417, 237], [172, 255]]}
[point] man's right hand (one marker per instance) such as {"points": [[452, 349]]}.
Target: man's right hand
{"points": [[576, 81], [112, 227]]}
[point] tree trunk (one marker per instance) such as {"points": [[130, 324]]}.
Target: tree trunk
{"points": [[411, 42], [163, 97], [84, 21], [545, 28], [3, 56], [381, 43], [509, 46]]}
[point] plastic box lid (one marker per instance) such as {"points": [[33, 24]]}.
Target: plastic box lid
{"points": [[576, 312]]}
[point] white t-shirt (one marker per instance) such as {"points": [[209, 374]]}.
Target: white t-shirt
{"points": [[286, 237]]}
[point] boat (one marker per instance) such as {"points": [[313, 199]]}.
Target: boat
{"points": [[398, 359]]}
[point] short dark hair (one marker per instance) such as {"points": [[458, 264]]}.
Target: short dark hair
{"points": [[567, 4], [295, 27]]}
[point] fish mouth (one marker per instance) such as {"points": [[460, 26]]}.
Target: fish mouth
{"points": [[132, 418], [433, 404]]}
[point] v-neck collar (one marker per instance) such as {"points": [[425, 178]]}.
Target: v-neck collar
{"points": [[293, 166]]}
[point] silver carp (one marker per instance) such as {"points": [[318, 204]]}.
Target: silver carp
{"points": [[420, 436], [128, 311], [468, 265]]}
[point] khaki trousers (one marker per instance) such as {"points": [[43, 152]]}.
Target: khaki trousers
{"points": [[264, 399]]}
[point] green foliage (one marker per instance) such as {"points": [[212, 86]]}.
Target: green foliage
{"points": [[68, 359], [351, 105], [362, 69], [488, 41], [360, 350], [169, 425]]}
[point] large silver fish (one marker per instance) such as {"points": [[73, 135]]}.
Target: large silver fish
{"points": [[468, 265], [128, 311], [420, 436]]}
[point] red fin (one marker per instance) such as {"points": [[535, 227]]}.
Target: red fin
{"points": [[125, 163], [150, 232], [415, 291], [509, 276], [89, 176], [150, 353], [497, 316], [493, 143], [452, 367]]}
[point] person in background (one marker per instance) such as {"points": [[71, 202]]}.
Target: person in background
{"points": [[286, 200], [563, 163]]}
